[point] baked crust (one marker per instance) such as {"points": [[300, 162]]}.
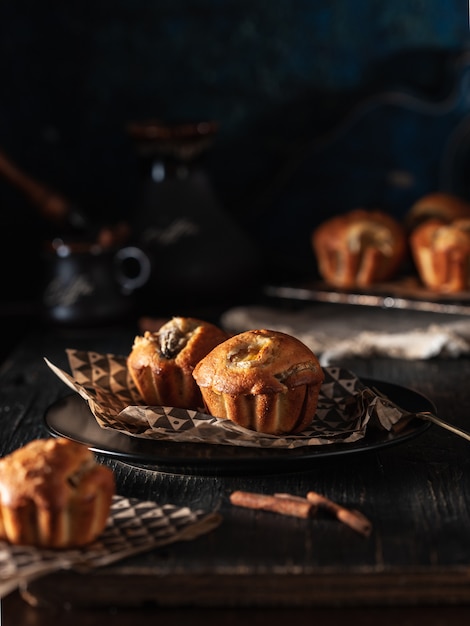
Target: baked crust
{"points": [[262, 379], [441, 206], [54, 494], [161, 363], [441, 252], [359, 248]]}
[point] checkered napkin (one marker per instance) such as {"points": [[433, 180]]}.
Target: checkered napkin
{"points": [[133, 526], [346, 407]]}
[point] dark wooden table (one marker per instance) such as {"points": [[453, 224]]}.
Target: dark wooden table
{"points": [[258, 565]]}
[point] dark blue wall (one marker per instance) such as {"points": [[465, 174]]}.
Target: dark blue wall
{"points": [[278, 76]]}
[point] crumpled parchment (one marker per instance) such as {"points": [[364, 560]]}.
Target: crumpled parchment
{"points": [[346, 408], [134, 526]]}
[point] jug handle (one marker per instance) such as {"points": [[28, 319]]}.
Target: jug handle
{"points": [[130, 283]]}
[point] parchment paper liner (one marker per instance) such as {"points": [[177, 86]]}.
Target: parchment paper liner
{"points": [[134, 526], [346, 408]]}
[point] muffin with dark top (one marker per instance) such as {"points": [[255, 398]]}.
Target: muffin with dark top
{"points": [[161, 363]]}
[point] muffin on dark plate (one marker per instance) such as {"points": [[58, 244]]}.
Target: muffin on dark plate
{"points": [[264, 380], [161, 363]]}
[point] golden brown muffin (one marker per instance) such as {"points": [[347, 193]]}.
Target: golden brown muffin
{"points": [[441, 252], [442, 206], [161, 363], [359, 248], [53, 494], [264, 380]]}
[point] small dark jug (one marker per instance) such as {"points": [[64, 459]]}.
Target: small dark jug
{"points": [[88, 285]]}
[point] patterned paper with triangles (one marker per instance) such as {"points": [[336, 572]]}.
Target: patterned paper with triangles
{"points": [[345, 408]]}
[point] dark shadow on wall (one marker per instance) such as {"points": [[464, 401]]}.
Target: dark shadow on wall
{"points": [[280, 173], [401, 134]]}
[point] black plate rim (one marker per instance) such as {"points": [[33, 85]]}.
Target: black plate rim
{"points": [[199, 457]]}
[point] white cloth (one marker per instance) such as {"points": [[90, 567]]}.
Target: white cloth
{"points": [[337, 331]]}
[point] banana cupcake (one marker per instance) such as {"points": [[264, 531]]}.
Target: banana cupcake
{"points": [[263, 380]]}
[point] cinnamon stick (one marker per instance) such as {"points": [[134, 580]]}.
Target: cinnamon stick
{"points": [[285, 504], [296, 506], [354, 519]]}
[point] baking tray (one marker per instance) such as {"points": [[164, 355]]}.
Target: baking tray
{"points": [[406, 293]]}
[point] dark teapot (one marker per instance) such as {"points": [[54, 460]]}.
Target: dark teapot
{"points": [[199, 253]]}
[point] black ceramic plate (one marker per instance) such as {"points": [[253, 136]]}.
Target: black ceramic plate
{"points": [[70, 417]]}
